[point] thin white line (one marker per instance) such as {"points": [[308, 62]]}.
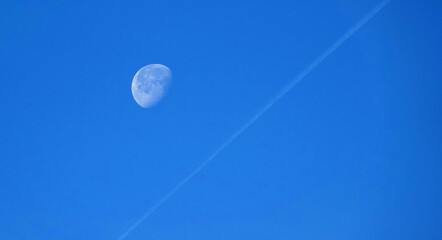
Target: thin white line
{"points": [[264, 109]]}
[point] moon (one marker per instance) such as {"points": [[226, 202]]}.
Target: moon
{"points": [[150, 84]]}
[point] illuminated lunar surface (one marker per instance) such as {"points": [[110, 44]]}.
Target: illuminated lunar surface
{"points": [[150, 84]]}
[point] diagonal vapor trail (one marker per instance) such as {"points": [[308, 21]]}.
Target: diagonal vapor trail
{"points": [[264, 109]]}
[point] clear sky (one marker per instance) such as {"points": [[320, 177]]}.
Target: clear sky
{"points": [[354, 151]]}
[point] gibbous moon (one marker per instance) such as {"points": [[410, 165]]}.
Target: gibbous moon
{"points": [[150, 84]]}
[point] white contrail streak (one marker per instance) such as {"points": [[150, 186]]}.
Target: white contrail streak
{"points": [[264, 109]]}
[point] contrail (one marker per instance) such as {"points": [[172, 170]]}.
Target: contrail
{"points": [[264, 109]]}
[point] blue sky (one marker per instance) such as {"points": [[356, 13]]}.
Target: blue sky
{"points": [[352, 152]]}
